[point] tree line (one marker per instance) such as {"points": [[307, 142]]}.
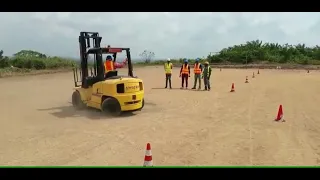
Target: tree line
{"points": [[257, 51], [250, 52], [28, 59]]}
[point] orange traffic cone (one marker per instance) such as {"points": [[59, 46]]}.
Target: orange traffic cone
{"points": [[258, 71], [148, 156], [253, 75], [280, 114], [232, 88], [247, 79]]}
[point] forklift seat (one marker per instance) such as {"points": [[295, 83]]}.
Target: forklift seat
{"points": [[89, 81], [110, 74]]}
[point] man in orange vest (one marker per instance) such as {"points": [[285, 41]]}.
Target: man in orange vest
{"points": [[185, 73], [197, 74], [109, 65]]}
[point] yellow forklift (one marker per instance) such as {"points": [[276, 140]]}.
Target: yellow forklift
{"points": [[109, 92]]}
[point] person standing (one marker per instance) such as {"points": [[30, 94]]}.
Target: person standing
{"points": [[197, 69], [168, 70], [206, 74], [184, 73]]}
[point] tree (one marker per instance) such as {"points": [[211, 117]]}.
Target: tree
{"points": [[147, 56], [29, 53], [4, 60], [1, 54]]}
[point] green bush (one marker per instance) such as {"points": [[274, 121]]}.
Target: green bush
{"points": [[41, 63], [4, 62]]}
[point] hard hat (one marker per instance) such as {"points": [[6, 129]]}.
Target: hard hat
{"points": [[185, 60], [109, 57], [168, 59], [206, 62]]}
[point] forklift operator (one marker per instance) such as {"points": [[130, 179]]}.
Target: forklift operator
{"points": [[109, 65]]}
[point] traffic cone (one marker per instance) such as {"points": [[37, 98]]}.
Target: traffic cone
{"points": [[232, 88], [148, 156], [308, 71], [280, 114], [253, 75], [247, 79], [258, 71]]}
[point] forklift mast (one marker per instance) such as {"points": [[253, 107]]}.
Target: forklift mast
{"points": [[84, 43]]}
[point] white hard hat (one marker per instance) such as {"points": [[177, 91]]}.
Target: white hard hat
{"points": [[168, 59]]}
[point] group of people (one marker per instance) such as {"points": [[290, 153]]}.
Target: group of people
{"points": [[199, 71]]}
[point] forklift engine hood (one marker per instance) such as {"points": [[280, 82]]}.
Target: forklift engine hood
{"points": [[130, 84], [121, 77]]}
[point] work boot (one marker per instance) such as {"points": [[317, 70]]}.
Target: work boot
{"points": [[194, 88], [165, 87], [199, 88], [205, 88]]}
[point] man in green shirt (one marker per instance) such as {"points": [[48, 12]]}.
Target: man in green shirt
{"points": [[206, 74]]}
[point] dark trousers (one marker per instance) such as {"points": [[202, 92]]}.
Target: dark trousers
{"points": [[206, 83], [184, 77], [168, 79]]}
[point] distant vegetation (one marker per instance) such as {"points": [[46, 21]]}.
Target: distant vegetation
{"points": [[27, 59], [147, 56], [256, 52], [253, 52]]}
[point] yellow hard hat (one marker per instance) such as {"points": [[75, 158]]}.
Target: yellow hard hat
{"points": [[206, 62]]}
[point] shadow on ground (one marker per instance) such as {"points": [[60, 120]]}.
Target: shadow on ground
{"points": [[189, 89], [167, 88], [90, 113]]}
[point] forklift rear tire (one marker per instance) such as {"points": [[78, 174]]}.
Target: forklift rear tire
{"points": [[76, 101], [111, 106], [142, 105]]}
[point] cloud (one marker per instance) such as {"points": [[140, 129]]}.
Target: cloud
{"points": [[171, 35]]}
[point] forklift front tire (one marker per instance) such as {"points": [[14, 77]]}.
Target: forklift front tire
{"points": [[111, 106], [76, 101]]}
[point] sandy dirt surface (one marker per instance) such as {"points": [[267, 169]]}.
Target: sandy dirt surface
{"points": [[40, 127]]}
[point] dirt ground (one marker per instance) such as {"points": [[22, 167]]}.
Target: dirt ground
{"points": [[39, 126]]}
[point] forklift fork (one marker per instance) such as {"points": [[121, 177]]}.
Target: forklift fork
{"points": [[76, 76]]}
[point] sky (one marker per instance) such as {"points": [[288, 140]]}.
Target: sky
{"points": [[167, 34]]}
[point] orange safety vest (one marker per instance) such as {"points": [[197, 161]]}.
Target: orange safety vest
{"points": [[197, 69], [185, 69], [108, 66]]}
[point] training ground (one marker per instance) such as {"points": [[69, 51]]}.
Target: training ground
{"points": [[40, 127]]}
